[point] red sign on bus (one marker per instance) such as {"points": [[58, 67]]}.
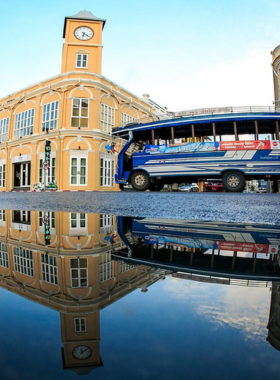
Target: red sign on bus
{"points": [[247, 247], [245, 145]]}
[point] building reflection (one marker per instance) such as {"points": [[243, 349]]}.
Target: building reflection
{"points": [[71, 271], [78, 263]]}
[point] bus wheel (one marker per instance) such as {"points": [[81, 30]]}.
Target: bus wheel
{"points": [[140, 181], [156, 186], [233, 181]]}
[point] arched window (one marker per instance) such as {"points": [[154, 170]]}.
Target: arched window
{"points": [[4, 127], [24, 122], [50, 116], [79, 113]]}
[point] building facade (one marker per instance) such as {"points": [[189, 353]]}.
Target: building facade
{"points": [[75, 111]]}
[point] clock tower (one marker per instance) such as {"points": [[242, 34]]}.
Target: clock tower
{"points": [[82, 49], [80, 335]]}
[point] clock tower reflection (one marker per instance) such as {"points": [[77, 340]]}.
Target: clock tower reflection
{"points": [[80, 335]]}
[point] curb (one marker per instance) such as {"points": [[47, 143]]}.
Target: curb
{"points": [[51, 191]]}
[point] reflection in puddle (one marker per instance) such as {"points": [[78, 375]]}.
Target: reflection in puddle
{"points": [[78, 263]]}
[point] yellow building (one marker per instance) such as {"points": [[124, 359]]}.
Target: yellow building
{"points": [[74, 274], [76, 111], [276, 74]]}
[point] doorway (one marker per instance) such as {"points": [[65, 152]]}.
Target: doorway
{"points": [[22, 174]]}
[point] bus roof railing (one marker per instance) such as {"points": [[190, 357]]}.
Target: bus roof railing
{"points": [[202, 112]]}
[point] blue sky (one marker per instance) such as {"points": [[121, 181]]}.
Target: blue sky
{"points": [[186, 54]]}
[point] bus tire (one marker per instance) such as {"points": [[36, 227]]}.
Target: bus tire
{"points": [[233, 181], [156, 186], [140, 181]]}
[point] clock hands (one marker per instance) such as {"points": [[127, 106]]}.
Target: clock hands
{"points": [[83, 350]]}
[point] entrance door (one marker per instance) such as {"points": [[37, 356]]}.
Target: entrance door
{"points": [[22, 173], [17, 175]]}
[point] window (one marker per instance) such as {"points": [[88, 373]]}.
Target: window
{"points": [[50, 173], [78, 273], [2, 175], [52, 219], [106, 267], [107, 119], [49, 269], [50, 116], [78, 224], [21, 216], [106, 170], [23, 261], [4, 126], [79, 113], [4, 261], [124, 267], [78, 169], [80, 325], [82, 60], [106, 220], [24, 123], [2, 215], [106, 223], [126, 119]]}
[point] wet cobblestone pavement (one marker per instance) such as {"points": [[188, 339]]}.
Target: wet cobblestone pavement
{"points": [[229, 207]]}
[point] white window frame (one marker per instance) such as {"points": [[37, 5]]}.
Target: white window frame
{"points": [[49, 269], [24, 217], [81, 60], [2, 217], [106, 223], [125, 267], [80, 325], [80, 219], [4, 129], [79, 156], [107, 118], [50, 173], [107, 170], [106, 267], [127, 119], [4, 258], [23, 261], [2, 175], [50, 116], [80, 116], [24, 122], [79, 274], [52, 222]]}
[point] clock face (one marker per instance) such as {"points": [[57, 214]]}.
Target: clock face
{"points": [[81, 352], [83, 33]]}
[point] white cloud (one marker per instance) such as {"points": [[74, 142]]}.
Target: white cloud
{"points": [[245, 309]]}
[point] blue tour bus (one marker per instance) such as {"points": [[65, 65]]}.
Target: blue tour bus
{"points": [[220, 249], [191, 148]]}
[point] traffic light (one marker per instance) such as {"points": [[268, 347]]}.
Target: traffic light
{"points": [[46, 221], [47, 151]]}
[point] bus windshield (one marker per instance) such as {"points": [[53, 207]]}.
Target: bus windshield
{"points": [[230, 147]]}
